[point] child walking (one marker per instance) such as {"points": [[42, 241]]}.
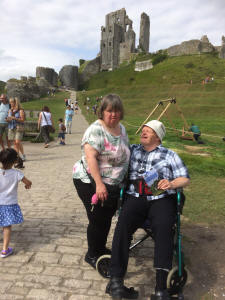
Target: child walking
{"points": [[10, 212], [61, 134]]}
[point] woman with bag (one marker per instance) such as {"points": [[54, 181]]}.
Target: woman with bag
{"points": [[15, 119], [99, 173], [45, 123]]}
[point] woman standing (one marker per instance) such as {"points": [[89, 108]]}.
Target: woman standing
{"points": [[105, 156], [45, 122], [15, 119]]}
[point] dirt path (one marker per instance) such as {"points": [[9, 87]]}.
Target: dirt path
{"points": [[204, 249]]}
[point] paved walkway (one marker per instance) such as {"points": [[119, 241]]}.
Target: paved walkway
{"points": [[50, 245]]}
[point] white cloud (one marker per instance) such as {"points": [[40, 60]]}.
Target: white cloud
{"points": [[53, 33]]}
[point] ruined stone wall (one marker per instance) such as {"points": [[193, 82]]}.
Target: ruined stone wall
{"points": [[116, 17], [144, 32], [48, 74], [68, 76], [91, 68], [110, 44], [222, 49], [143, 65], [192, 47], [128, 47], [26, 89]]}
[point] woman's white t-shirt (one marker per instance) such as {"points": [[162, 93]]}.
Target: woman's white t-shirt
{"points": [[46, 118], [9, 180]]}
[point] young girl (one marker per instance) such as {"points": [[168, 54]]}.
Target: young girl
{"points": [[10, 212]]}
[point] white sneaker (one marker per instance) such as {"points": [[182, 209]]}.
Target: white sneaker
{"points": [[23, 157]]}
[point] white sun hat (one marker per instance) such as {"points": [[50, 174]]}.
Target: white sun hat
{"points": [[158, 127]]}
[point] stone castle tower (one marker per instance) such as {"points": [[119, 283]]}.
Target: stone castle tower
{"points": [[118, 39], [144, 33]]}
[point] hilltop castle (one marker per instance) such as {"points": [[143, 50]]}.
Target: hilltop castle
{"points": [[118, 39]]}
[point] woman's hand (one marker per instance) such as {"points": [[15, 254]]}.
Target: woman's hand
{"points": [[101, 192]]}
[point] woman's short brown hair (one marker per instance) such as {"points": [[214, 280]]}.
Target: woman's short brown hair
{"points": [[45, 108], [113, 101]]}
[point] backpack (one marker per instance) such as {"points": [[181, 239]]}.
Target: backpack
{"points": [[63, 127]]}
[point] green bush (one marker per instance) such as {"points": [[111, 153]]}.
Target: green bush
{"points": [[189, 65], [159, 57], [81, 61]]}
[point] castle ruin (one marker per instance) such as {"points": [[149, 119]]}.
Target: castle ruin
{"points": [[144, 33], [118, 39]]}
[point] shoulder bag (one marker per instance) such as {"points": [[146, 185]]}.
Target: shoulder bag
{"points": [[51, 129]]}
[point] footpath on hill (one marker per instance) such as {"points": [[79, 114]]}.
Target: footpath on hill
{"points": [[49, 247]]}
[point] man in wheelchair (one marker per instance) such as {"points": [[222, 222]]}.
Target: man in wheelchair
{"points": [[155, 173]]}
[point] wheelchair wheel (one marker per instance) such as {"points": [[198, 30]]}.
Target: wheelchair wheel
{"points": [[175, 283], [102, 265]]}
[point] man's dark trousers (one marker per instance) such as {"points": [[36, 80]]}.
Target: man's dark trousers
{"points": [[135, 211]]}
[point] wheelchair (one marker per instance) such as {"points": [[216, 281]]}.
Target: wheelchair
{"points": [[177, 277]]}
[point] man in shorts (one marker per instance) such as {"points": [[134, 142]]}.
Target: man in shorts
{"points": [[4, 108]]}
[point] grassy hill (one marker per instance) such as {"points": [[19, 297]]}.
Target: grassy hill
{"points": [[201, 104]]}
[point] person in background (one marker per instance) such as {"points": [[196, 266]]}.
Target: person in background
{"points": [[61, 134], [45, 120], [15, 119], [69, 102], [168, 170], [4, 109], [69, 113], [105, 158], [10, 212], [76, 108], [66, 101], [197, 133]]}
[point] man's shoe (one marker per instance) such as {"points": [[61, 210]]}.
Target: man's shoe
{"points": [[161, 295], [91, 260], [117, 290], [105, 251]]}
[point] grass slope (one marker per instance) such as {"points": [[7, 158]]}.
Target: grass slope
{"points": [[201, 104]]}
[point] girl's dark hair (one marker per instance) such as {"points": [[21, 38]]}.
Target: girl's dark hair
{"points": [[113, 101], [8, 157], [60, 119], [45, 108]]}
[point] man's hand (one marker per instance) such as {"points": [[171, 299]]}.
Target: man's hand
{"points": [[165, 184], [176, 183]]}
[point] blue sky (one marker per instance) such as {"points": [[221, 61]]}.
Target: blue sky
{"points": [[53, 33]]}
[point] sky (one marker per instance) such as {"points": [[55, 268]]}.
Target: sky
{"points": [[54, 33]]}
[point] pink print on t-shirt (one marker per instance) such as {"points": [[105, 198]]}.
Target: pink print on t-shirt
{"points": [[109, 146]]}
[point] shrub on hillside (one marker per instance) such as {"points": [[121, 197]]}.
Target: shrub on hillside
{"points": [[81, 61], [189, 65], [159, 57]]}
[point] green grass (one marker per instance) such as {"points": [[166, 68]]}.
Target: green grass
{"points": [[201, 104]]}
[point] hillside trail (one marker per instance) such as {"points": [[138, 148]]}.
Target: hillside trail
{"points": [[49, 247]]}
